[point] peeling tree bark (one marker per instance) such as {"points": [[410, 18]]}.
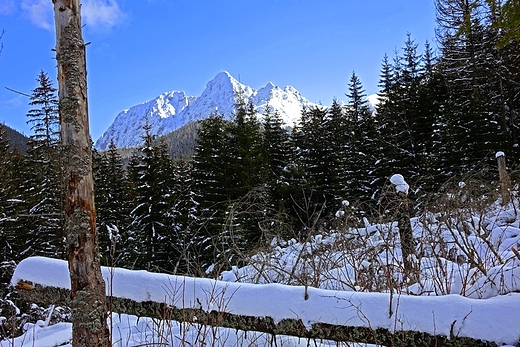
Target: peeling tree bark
{"points": [[88, 300]]}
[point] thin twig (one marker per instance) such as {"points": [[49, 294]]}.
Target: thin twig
{"points": [[15, 91]]}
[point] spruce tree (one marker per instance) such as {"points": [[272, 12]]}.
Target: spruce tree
{"points": [[15, 237], [8, 239], [361, 143], [408, 119], [465, 63], [44, 117], [280, 181], [386, 150], [184, 228], [5, 162], [151, 228], [111, 207], [337, 135], [503, 73], [213, 182], [433, 125], [249, 168], [277, 147], [313, 140], [43, 181], [407, 138]]}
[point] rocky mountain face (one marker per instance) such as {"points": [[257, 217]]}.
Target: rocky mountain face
{"points": [[173, 110]]}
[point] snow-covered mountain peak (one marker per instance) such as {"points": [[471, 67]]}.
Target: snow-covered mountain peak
{"points": [[222, 80], [268, 91], [172, 110], [169, 103], [127, 128], [269, 86], [292, 90], [224, 83]]}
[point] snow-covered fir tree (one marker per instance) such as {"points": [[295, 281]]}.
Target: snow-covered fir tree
{"points": [[43, 184], [150, 232]]}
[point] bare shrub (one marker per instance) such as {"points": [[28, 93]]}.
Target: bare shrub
{"points": [[463, 243]]}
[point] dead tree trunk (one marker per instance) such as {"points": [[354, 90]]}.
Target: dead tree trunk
{"points": [[402, 213], [505, 180], [406, 236], [89, 315]]}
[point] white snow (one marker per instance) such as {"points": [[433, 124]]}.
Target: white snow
{"points": [[373, 100], [172, 110], [399, 183], [495, 319], [452, 296], [499, 154], [37, 335], [162, 113]]}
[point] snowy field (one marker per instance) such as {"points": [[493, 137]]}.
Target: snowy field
{"points": [[468, 285]]}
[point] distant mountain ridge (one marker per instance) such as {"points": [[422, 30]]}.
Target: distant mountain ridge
{"points": [[172, 110], [16, 139]]}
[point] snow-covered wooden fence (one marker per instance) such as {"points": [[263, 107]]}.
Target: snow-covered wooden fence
{"points": [[377, 318]]}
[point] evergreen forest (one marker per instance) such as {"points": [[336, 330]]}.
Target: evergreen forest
{"points": [[443, 112]]}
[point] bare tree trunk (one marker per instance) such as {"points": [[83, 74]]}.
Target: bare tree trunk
{"points": [[505, 180], [402, 212], [406, 236], [88, 297]]}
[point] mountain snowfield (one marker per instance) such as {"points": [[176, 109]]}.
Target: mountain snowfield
{"points": [[172, 110]]}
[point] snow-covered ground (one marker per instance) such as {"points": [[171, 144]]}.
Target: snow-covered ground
{"points": [[468, 284], [433, 314]]}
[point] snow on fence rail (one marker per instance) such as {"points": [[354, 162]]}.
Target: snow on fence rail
{"points": [[378, 318]]}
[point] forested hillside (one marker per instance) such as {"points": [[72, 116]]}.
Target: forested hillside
{"points": [[442, 113], [17, 140]]}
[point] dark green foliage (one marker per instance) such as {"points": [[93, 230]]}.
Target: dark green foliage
{"points": [[10, 204], [213, 176], [414, 135], [246, 142], [42, 186], [151, 181], [386, 152], [182, 141], [473, 68], [432, 125], [508, 21], [184, 228], [313, 147], [112, 212], [229, 168], [31, 219], [360, 153], [340, 133], [278, 155], [16, 139], [44, 117], [398, 116], [250, 173]]}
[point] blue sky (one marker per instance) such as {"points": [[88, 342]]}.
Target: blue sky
{"points": [[141, 48]]}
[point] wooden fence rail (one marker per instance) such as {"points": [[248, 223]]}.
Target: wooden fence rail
{"points": [[36, 286], [291, 327]]}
